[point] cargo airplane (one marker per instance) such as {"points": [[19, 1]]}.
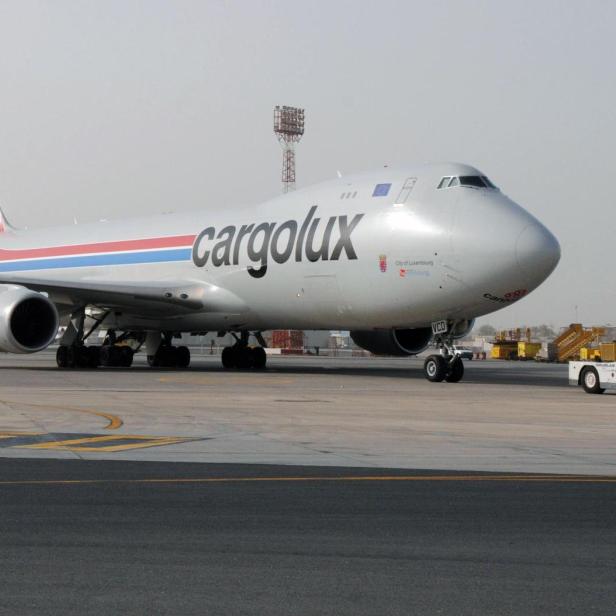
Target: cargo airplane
{"points": [[400, 257]]}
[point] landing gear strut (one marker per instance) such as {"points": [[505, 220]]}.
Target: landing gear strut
{"points": [[242, 357], [444, 367], [73, 352], [169, 356]]}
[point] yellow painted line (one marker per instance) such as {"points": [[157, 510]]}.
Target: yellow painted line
{"points": [[76, 444], [68, 442], [141, 445], [114, 422], [9, 434], [359, 478]]}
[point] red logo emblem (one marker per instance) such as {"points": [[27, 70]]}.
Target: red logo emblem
{"points": [[383, 263]]}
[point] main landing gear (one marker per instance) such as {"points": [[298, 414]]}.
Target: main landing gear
{"points": [[242, 357], [444, 367], [169, 356], [115, 351]]}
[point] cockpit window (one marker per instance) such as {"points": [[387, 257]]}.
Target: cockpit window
{"points": [[472, 180], [475, 181]]}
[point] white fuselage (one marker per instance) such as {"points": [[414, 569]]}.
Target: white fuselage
{"points": [[381, 250]]}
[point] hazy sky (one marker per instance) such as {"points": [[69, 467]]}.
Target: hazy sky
{"points": [[115, 108]]}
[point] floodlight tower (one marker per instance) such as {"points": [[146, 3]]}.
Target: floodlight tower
{"points": [[289, 128]]}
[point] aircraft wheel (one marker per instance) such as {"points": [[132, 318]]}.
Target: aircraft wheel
{"points": [[228, 358], [152, 361], [107, 355], [244, 359], [259, 358], [456, 371], [182, 357], [125, 357], [62, 357], [435, 368], [591, 382], [72, 357], [92, 356]]}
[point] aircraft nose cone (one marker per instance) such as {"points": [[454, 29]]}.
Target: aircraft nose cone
{"points": [[537, 252]]}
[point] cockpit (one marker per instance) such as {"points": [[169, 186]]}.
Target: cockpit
{"points": [[472, 181]]}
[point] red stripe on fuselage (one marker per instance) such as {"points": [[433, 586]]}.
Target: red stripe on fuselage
{"points": [[178, 241]]}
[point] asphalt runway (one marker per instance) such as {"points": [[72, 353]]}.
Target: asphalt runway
{"points": [[157, 538], [303, 495]]}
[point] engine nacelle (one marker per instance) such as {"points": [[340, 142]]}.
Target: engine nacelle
{"points": [[462, 328], [398, 342], [28, 320]]}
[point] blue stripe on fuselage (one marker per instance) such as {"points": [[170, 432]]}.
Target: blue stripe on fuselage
{"points": [[127, 258]]}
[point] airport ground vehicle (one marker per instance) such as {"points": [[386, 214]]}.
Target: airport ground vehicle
{"points": [[594, 377], [462, 352]]}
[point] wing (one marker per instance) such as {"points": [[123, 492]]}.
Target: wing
{"points": [[162, 298]]}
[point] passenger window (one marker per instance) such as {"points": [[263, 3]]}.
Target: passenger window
{"points": [[444, 182]]}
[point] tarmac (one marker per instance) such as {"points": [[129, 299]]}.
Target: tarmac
{"points": [[321, 486], [504, 416]]}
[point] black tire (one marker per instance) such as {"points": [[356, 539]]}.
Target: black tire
{"points": [[435, 368], [125, 357], [62, 357], [106, 355], [590, 381], [182, 357], [94, 356], [228, 358], [152, 361], [244, 358], [259, 358], [456, 371], [72, 357]]}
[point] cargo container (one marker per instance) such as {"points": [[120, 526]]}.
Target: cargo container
{"points": [[590, 354], [607, 351], [507, 350], [287, 339], [528, 350]]}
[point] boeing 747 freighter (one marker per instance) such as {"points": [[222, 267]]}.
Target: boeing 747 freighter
{"points": [[400, 257]]}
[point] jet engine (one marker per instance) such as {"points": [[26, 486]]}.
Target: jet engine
{"points": [[28, 320], [462, 328], [399, 342]]}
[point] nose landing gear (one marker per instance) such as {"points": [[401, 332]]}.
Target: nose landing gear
{"points": [[444, 367], [438, 368]]}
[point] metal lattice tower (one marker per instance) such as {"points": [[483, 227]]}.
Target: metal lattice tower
{"points": [[289, 128]]}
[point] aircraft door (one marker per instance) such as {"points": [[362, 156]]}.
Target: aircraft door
{"points": [[448, 258], [405, 191]]}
